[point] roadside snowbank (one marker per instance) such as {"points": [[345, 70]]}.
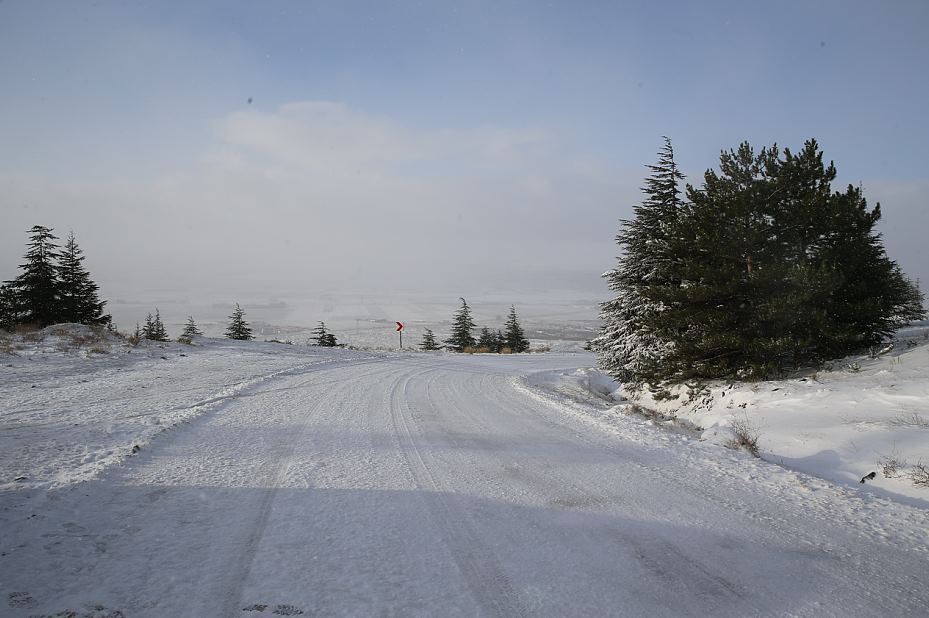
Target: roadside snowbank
{"points": [[75, 400], [860, 416]]}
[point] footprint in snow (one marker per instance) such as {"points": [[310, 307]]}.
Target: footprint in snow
{"points": [[280, 610], [21, 599], [91, 610]]}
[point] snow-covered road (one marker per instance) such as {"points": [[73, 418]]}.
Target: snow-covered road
{"points": [[442, 485]]}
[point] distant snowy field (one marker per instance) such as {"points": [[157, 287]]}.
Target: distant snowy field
{"points": [[561, 321], [860, 416]]}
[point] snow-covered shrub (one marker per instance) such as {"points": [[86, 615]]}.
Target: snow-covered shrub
{"points": [[920, 474]]}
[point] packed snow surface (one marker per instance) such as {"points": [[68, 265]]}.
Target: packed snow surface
{"points": [[307, 481], [860, 415]]}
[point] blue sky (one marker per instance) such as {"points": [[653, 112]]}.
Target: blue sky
{"points": [[498, 112]]}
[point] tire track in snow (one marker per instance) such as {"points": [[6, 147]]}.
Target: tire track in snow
{"points": [[491, 588], [717, 487], [272, 480], [227, 393], [663, 558]]}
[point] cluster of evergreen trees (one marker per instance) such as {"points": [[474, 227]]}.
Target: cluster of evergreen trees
{"points": [[762, 269], [511, 339], [154, 329], [54, 286]]}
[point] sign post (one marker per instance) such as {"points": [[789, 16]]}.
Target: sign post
{"points": [[400, 330]]}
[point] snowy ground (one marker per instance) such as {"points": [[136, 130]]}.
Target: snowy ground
{"points": [[308, 481], [75, 402], [860, 416]]}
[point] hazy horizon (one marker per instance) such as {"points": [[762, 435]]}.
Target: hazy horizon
{"points": [[239, 152]]}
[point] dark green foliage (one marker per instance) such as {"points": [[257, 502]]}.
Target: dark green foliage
{"points": [[513, 337], [191, 330], [323, 337], [36, 292], [462, 325], [428, 344], [53, 287], [238, 328], [763, 269], [9, 315], [154, 328], [487, 340], [78, 301], [627, 346]]}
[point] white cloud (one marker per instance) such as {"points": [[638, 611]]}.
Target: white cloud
{"points": [[316, 193], [326, 137]]}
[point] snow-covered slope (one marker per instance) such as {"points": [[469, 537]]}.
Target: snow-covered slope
{"points": [[862, 415]]}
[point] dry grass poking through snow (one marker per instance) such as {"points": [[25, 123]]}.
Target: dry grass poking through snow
{"points": [[913, 419], [62, 338], [920, 474], [891, 465], [744, 435]]}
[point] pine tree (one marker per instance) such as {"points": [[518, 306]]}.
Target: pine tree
{"points": [[160, 333], [429, 343], [35, 294], [462, 325], [488, 340], [323, 337], [763, 269], [154, 328], [238, 328], [513, 337], [320, 334], [191, 330], [78, 293], [148, 328], [627, 347]]}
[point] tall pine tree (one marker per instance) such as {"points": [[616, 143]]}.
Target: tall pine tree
{"points": [[238, 328], [627, 346], [78, 293], [764, 268], [36, 293], [462, 325]]}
